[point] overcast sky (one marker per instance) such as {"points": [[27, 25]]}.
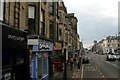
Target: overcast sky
{"points": [[96, 18]]}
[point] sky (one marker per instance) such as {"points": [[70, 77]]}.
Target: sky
{"points": [[96, 18]]}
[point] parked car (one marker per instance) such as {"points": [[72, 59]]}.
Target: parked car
{"points": [[86, 59], [111, 56], [117, 56]]}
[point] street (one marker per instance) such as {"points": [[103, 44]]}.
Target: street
{"points": [[100, 68], [97, 68]]}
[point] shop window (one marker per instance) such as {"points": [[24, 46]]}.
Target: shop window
{"points": [[51, 7]]}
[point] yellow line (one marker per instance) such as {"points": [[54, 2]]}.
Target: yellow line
{"points": [[82, 72]]}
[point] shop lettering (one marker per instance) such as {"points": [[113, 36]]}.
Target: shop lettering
{"points": [[44, 46], [16, 38]]}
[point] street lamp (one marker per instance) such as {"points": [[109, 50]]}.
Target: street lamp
{"points": [[65, 64]]}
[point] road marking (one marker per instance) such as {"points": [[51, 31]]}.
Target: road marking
{"points": [[98, 70], [82, 72], [103, 76], [72, 76], [93, 69], [100, 73], [56, 74]]}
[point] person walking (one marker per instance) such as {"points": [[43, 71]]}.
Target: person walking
{"points": [[71, 63], [79, 64]]}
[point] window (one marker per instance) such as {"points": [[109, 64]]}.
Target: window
{"points": [[60, 34], [31, 19], [51, 29], [42, 23], [1, 9], [51, 7], [31, 12]]}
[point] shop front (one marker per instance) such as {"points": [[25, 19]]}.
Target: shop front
{"points": [[58, 57], [40, 49], [15, 59]]}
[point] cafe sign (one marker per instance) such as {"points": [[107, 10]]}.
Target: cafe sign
{"points": [[45, 45]]}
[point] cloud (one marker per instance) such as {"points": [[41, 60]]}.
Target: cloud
{"points": [[96, 18]]}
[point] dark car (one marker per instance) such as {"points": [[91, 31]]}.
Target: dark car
{"points": [[86, 59]]}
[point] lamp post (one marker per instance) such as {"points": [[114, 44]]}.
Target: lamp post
{"points": [[65, 72]]}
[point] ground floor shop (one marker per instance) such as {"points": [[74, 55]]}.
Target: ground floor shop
{"points": [[40, 50], [15, 59]]}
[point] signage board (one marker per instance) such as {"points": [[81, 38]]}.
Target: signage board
{"points": [[32, 42], [14, 53], [58, 46], [45, 45]]}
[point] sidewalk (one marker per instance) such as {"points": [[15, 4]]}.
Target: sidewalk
{"points": [[70, 73]]}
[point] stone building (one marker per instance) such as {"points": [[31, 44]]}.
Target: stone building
{"points": [[109, 44], [28, 16], [48, 20]]}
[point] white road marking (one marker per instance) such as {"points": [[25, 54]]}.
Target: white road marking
{"points": [[82, 72], [100, 73], [56, 74], [103, 76]]}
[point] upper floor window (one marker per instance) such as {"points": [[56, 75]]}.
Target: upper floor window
{"points": [[1, 9], [51, 7], [31, 12], [31, 19], [51, 29], [42, 23]]}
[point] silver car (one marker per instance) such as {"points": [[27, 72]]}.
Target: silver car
{"points": [[111, 56], [117, 56]]}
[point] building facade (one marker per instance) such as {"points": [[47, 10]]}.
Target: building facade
{"points": [[49, 21], [109, 44]]}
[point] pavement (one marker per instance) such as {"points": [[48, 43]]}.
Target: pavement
{"points": [[74, 73], [97, 69]]}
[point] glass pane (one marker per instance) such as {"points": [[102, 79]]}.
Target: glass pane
{"points": [[20, 56], [45, 66], [41, 15], [31, 12], [39, 65]]}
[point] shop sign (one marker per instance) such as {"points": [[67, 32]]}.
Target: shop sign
{"points": [[32, 41], [58, 46], [45, 45], [16, 38]]}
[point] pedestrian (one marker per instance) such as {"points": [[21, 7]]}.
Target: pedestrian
{"points": [[71, 63], [74, 61], [79, 64]]}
